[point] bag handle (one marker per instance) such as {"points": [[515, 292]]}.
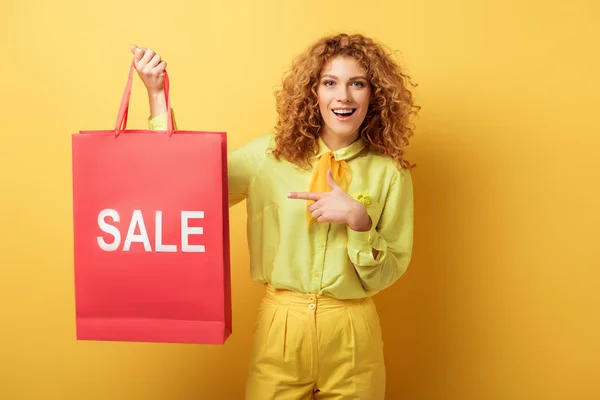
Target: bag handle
{"points": [[121, 123]]}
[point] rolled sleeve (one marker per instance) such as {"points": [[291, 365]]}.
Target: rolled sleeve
{"points": [[392, 237]]}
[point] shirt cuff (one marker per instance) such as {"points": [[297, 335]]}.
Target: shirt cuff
{"points": [[159, 123], [361, 245]]}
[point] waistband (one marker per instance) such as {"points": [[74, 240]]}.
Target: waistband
{"points": [[310, 300]]}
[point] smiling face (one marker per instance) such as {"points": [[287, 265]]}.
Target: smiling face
{"points": [[344, 93]]}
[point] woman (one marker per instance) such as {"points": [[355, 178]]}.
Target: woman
{"points": [[330, 209]]}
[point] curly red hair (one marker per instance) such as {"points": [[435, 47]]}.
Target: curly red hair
{"points": [[387, 126]]}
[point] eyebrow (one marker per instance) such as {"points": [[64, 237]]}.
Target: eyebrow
{"points": [[352, 78]]}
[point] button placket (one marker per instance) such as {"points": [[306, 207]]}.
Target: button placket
{"points": [[321, 247]]}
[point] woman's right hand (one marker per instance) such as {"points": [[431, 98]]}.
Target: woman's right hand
{"points": [[150, 66]]}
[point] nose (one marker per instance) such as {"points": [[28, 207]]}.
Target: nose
{"points": [[343, 94]]}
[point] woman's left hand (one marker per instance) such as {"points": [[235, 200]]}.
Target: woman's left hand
{"points": [[336, 206]]}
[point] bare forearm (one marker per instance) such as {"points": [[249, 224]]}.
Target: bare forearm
{"points": [[158, 105]]}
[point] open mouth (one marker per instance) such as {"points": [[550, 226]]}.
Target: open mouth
{"points": [[344, 113]]}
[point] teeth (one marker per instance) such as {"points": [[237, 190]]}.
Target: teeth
{"points": [[343, 111]]}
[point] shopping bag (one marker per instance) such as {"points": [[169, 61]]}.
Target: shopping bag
{"points": [[151, 236]]}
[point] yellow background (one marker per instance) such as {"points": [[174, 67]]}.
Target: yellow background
{"points": [[502, 298]]}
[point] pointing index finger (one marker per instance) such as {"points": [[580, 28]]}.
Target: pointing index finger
{"points": [[305, 196]]}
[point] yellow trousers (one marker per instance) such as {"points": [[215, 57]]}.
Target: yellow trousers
{"points": [[316, 347]]}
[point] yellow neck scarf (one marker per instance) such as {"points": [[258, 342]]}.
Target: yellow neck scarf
{"points": [[318, 183]]}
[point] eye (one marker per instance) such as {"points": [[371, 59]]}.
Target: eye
{"points": [[358, 84], [328, 83]]}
